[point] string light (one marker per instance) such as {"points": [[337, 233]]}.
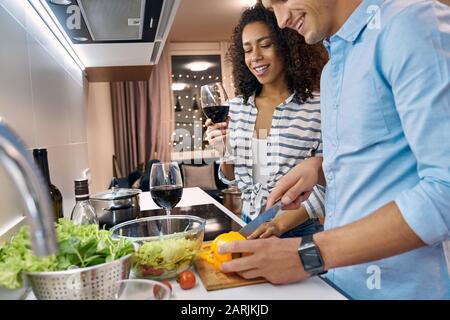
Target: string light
{"points": [[190, 114]]}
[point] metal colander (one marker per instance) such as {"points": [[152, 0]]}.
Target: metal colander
{"points": [[92, 283]]}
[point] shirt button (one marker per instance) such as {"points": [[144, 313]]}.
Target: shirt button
{"points": [[330, 176], [335, 106]]}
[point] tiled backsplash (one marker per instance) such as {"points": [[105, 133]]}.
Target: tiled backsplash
{"points": [[42, 97]]}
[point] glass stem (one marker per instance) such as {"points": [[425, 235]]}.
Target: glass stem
{"points": [[168, 224]]}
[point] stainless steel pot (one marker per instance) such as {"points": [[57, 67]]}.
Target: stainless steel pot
{"points": [[116, 205], [232, 200]]}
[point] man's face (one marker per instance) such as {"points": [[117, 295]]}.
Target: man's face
{"points": [[313, 19]]}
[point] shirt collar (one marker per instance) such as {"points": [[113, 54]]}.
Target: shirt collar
{"points": [[251, 100], [357, 21]]}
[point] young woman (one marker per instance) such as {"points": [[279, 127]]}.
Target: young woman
{"points": [[274, 122]]}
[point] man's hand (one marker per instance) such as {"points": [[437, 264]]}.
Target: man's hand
{"points": [[297, 185], [274, 259]]}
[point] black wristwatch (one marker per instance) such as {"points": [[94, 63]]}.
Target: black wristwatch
{"points": [[310, 256]]}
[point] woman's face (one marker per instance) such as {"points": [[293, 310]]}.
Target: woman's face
{"points": [[261, 56]]}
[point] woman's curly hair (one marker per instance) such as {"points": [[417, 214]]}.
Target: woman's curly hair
{"points": [[303, 63]]}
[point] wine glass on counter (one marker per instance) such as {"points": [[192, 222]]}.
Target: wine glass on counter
{"points": [[215, 106], [166, 185]]}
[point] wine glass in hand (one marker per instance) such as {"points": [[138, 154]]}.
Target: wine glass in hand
{"points": [[166, 186], [214, 100]]}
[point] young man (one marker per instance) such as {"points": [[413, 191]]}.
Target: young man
{"points": [[385, 118]]}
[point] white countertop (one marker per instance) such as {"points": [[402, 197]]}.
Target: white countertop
{"points": [[311, 289]]}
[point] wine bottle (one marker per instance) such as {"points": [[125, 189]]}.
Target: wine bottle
{"points": [[40, 156], [83, 212]]}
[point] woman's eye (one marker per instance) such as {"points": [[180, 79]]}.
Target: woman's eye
{"points": [[266, 45]]}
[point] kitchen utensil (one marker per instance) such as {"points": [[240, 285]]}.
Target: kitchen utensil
{"points": [[116, 205], [92, 283], [268, 215], [232, 200], [142, 289], [213, 279], [165, 245]]}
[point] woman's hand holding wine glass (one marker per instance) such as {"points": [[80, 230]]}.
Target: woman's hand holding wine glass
{"points": [[217, 135], [215, 106]]}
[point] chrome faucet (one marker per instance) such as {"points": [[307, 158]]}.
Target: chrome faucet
{"points": [[27, 179]]}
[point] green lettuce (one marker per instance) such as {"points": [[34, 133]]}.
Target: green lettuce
{"points": [[168, 253], [79, 246]]}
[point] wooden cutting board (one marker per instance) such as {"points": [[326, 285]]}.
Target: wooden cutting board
{"points": [[213, 279]]}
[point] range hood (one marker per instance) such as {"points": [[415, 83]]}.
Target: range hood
{"points": [[115, 32]]}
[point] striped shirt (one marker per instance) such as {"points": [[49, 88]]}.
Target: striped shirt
{"points": [[295, 135]]}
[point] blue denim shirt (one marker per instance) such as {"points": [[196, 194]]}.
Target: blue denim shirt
{"points": [[386, 137]]}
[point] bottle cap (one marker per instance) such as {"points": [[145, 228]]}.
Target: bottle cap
{"points": [[39, 152], [81, 187]]}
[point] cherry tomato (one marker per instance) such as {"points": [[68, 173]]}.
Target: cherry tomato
{"points": [[186, 280], [159, 292]]}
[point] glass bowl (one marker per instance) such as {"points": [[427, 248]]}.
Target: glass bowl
{"points": [[165, 245], [14, 294], [143, 289]]}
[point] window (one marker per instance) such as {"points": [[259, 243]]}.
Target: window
{"points": [[189, 73]]}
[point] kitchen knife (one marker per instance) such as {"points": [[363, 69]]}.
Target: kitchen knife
{"points": [[263, 217]]}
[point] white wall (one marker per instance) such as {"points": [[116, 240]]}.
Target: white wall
{"points": [[43, 97], [100, 135]]}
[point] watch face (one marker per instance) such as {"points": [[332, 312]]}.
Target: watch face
{"points": [[310, 259], [310, 256]]}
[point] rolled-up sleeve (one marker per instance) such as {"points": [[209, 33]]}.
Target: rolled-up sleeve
{"points": [[419, 74], [224, 179], [314, 205]]}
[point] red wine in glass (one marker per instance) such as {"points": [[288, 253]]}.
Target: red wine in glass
{"points": [[214, 101], [166, 186], [216, 113], [167, 197]]}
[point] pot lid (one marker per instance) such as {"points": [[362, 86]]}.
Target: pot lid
{"points": [[115, 194]]}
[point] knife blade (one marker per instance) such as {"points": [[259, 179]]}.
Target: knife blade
{"points": [[268, 215]]}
